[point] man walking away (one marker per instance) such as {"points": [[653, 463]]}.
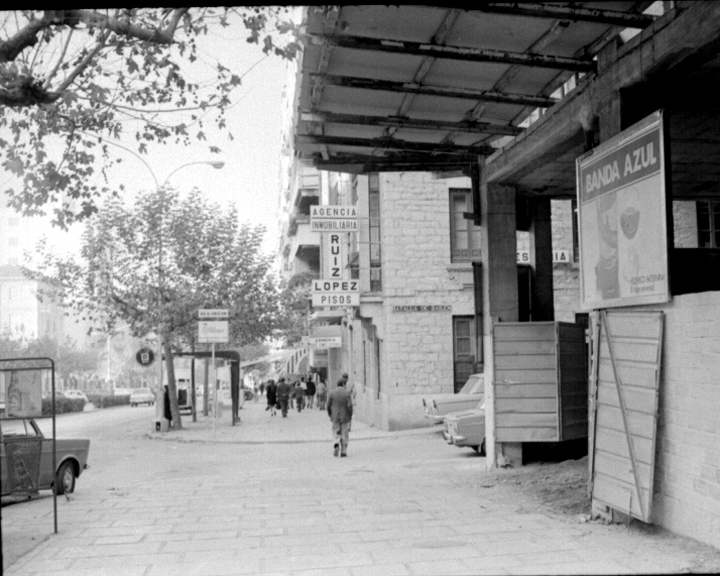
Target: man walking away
{"points": [[340, 410], [310, 393], [299, 394], [283, 396]]}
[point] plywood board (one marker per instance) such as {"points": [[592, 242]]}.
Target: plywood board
{"points": [[628, 366]]}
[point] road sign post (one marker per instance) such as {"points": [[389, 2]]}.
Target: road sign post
{"points": [[213, 327]]}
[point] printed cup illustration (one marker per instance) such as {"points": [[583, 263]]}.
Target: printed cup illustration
{"points": [[629, 221], [630, 215]]}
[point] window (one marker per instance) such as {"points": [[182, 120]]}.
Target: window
{"points": [[464, 235], [575, 230], [375, 246], [464, 351], [708, 224]]}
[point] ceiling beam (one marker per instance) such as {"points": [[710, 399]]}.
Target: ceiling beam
{"points": [[572, 13], [470, 127], [455, 52], [395, 163], [426, 90], [394, 144]]}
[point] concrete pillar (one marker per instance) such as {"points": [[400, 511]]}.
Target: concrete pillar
{"points": [[543, 307], [500, 303]]}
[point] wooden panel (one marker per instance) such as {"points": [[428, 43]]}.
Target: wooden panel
{"points": [[537, 420], [526, 435], [525, 362], [542, 390], [514, 347], [526, 376], [625, 420], [526, 405], [524, 331]]}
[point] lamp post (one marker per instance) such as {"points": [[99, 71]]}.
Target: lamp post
{"points": [[160, 398]]}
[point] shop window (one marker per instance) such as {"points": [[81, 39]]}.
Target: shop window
{"points": [[708, 224], [464, 235]]}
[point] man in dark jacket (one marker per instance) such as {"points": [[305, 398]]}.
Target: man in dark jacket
{"points": [[283, 395], [340, 410]]}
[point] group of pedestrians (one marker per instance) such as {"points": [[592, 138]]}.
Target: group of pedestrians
{"points": [[338, 403], [299, 394]]}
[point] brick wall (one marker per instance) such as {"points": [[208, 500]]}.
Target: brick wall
{"points": [[687, 475]]}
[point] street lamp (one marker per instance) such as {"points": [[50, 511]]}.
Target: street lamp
{"points": [[217, 164]]}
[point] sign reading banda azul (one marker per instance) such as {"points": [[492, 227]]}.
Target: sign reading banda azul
{"points": [[423, 308], [333, 219], [622, 215]]}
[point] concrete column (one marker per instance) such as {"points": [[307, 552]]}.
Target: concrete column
{"points": [[500, 303], [543, 307]]}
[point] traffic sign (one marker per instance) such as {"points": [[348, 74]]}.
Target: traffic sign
{"points": [[213, 314], [213, 331], [145, 357]]}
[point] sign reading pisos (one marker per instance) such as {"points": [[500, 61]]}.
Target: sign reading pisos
{"points": [[336, 293]]}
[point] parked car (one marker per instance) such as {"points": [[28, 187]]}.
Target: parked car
{"points": [[469, 396], [22, 443], [142, 396], [467, 429], [75, 394]]}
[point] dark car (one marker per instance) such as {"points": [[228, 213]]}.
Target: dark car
{"points": [[26, 459]]}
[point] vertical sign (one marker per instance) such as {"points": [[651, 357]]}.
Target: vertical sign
{"points": [[622, 209], [335, 252]]}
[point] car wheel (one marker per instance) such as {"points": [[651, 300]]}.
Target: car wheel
{"points": [[65, 479]]}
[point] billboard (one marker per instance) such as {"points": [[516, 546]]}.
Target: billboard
{"points": [[622, 217]]}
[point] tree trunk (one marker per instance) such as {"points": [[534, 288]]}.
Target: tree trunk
{"points": [[172, 388]]}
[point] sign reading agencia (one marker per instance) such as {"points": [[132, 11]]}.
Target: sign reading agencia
{"points": [[336, 293], [333, 219]]}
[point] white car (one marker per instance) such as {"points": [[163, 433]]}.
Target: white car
{"points": [[75, 395], [142, 396], [469, 397]]}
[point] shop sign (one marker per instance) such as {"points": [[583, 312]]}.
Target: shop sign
{"points": [[622, 215], [326, 342], [559, 257], [427, 308], [333, 219], [336, 293]]}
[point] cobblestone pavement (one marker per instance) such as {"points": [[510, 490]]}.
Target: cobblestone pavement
{"points": [[267, 497]]}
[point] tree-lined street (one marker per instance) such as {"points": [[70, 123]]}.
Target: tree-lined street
{"points": [[267, 497]]}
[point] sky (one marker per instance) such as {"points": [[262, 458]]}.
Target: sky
{"points": [[250, 177]]}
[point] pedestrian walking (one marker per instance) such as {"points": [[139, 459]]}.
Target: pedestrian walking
{"points": [[299, 394], [349, 387], [340, 410], [283, 396], [321, 394], [167, 412], [310, 393], [271, 395], [262, 388]]}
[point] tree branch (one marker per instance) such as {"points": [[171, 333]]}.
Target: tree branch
{"points": [[124, 27], [25, 38]]}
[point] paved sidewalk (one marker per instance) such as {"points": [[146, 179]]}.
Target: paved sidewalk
{"points": [[267, 497]]}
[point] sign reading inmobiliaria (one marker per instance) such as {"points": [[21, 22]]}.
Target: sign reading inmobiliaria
{"points": [[622, 215], [333, 219]]}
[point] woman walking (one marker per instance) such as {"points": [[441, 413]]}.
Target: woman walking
{"points": [[271, 395]]}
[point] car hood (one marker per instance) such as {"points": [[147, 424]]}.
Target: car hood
{"points": [[466, 414]]}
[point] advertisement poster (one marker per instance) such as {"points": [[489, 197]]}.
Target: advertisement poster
{"points": [[622, 219], [23, 393]]}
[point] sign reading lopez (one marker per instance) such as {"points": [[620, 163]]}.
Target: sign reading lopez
{"points": [[333, 219], [336, 293]]}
